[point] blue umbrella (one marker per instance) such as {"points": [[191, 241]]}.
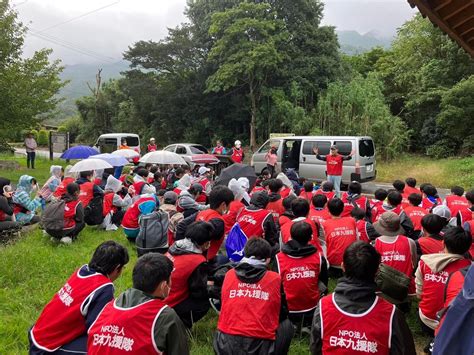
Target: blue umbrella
{"points": [[79, 152], [112, 159]]}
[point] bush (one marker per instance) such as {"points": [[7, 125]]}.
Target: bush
{"points": [[43, 137], [34, 132], [442, 149]]}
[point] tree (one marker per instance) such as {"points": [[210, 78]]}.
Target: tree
{"points": [[457, 113], [246, 50], [358, 108], [27, 85]]}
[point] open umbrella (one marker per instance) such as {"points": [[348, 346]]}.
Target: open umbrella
{"points": [[236, 171], [204, 159], [114, 160], [79, 152], [162, 157], [89, 165], [126, 153]]}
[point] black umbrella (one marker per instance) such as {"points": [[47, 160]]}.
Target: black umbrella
{"points": [[236, 171]]}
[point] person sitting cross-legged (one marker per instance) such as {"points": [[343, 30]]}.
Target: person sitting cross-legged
{"points": [[354, 319], [188, 295], [303, 270], [432, 274], [253, 317], [139, 321], [62, 326]]}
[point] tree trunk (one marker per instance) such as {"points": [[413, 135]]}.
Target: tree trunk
{"points": [[253, 120]]}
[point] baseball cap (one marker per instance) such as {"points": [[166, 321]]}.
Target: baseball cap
{"points": [[442, 211], [170, 197], [202, 170], [333, 147]]}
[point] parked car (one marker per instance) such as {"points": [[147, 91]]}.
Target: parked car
{"points": [[297, 153], [193, 154], [109, 142]]}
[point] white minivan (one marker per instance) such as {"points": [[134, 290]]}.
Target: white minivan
{"points": [[296, 152], [109, 142]]}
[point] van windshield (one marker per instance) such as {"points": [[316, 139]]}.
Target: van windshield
{"points": [[132, 141], [366, 148]]}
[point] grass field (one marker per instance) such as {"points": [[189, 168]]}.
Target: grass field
{"points": [[442, 172], [32, 269]]}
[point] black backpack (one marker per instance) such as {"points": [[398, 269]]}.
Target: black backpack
{"points": [[53, 216], [153, 235], [93, 211]]}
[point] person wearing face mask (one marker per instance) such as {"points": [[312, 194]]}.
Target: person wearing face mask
{"points": [[334, 162], [147, 325], [24, 206], [62, 326], [51, 185], [237, 153], [271, 158], [7, 218], [188, 295]]}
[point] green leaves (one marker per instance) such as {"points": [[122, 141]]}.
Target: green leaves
{"points": [[27, 85]]}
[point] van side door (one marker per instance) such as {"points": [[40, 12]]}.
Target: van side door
{"points": [[310, 167]]}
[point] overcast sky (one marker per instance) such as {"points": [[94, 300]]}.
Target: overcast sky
{"points": [[102, 35]]}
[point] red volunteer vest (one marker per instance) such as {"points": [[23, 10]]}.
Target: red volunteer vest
{"points": [[375, 203], [61, 320], [300, 277], [108, 205], [282, 220], [433, 286], [218, 150], [237, 155], [456, 203], [87, 193], [334, 164], [362, 229], [276, 208], [231, 217], [286, 232], [130, 219], [397, 254], [428, 205], [329, 194], [344, 333], [138, 186], [257, 189], [61, 190], [361, 202], [251, 222], [308, 196], [3, 215], [69, 214], [125, 330], [206, 216], [411, 190], [430, 245], [319, 215], [285, 192], [339, 233], [466, 215], [151, 148], [184, 266], [97, 181], [250, 310], [415, 214], [380, 210]]}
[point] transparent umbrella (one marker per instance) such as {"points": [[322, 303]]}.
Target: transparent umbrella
{"points": [[90, 164], [162, 157]]}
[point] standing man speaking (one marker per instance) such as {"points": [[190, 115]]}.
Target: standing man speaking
{"points": [[334, 163]]}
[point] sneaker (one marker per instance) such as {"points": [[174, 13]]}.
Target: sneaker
{"points": [[111, 227], [66, 240]]}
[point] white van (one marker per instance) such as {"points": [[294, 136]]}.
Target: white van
{"points": [[297, 152], [109, 142]]}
